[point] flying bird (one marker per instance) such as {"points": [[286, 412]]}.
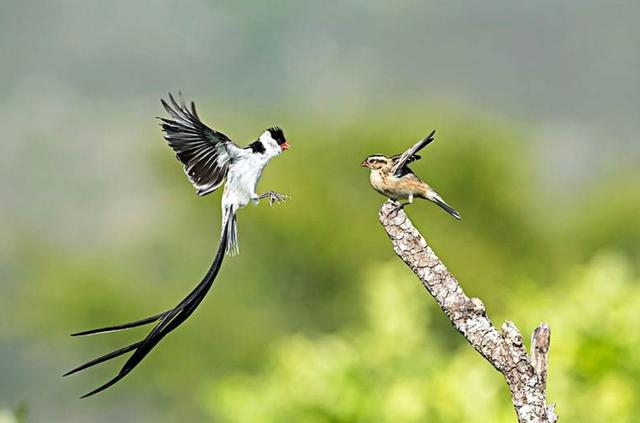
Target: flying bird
{"points": [[391, 177], [210, 158]]}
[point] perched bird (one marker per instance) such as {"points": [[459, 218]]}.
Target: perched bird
{"points": [[209, 158], [391, 177]]}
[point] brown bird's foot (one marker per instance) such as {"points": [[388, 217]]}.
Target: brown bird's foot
{"points": [[399, 206]]}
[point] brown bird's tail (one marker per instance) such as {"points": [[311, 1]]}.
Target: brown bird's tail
{"points": [[435, 197]]}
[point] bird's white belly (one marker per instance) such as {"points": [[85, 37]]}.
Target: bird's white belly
{"points": [[384, 185], [241, 183]]}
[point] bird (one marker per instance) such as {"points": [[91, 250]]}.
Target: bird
{"points": [[391, 177], [210, 158]]}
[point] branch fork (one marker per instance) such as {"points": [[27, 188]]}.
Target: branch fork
{"points": [[526, 375]]}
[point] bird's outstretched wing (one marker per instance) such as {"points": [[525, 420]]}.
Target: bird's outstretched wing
{"points": [[409, 160], [205, 152], [167, 322], [410, 155]]}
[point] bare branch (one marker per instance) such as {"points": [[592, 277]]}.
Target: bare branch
{"points": [[525, 376], [540, 342]]}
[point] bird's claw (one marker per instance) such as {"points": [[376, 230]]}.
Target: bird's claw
{"points": [[399, 206], [276, 197]]}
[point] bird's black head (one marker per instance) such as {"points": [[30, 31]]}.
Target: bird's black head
{"points": [[278, 136]]}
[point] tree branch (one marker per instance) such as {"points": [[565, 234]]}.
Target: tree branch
{"points": [[526, 376]]}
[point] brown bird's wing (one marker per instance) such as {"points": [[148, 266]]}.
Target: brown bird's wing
{"points": [[410, 155]]}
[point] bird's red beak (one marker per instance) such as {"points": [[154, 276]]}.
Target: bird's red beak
{"points": [[285, 146], [364, 164]]}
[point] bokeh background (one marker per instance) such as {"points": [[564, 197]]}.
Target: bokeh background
{"points": [[536, 109]]}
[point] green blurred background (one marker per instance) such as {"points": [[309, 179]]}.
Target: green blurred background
{"points": [[536, 109]]}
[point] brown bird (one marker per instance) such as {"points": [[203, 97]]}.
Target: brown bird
{"points": [[391, 177]]}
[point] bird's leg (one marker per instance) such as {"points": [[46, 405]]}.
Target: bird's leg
{"points": [[274, 197], [400, 205]]}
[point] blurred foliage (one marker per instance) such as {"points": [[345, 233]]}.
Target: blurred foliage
{"points": [[18, 415], [389, 368], [350, 335], [7, 417]]}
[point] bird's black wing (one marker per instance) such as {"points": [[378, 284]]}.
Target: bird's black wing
{"points": [[405, 169], [168, 321], [409, 160], [205, 152], [400, 161]]}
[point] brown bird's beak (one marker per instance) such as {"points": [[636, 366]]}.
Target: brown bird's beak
{"points": [[364, 164], [285, 146]]}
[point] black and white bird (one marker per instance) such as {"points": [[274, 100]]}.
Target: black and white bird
{"points": [[391, 177], [209, 158]]}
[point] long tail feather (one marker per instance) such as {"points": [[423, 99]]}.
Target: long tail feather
{"points": [[103, 387], [103, 358], [168, 322], [122, 326]]}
